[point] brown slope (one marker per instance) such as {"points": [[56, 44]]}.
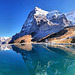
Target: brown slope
{"points": [[64, 33], [24, 39]]}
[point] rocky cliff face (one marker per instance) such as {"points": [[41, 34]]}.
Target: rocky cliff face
{"points": [[40, 23]]}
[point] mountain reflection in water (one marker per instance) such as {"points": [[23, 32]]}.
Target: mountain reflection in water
{"points": [[44, 59]]}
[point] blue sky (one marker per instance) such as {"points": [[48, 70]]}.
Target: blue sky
{"points": [[13, 13]]}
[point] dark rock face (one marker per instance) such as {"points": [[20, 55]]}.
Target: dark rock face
{"points": [[14, 37], [73, 40]]}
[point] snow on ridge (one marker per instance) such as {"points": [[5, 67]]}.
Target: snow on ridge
{"points": [[3, 38], [52, 13], [71, 15], [28, 22], [40, 11]]}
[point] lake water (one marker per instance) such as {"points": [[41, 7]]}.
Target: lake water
{"points": [[37, 59]]}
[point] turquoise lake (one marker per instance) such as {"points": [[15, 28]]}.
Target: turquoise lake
{"points": [[37, 59]]}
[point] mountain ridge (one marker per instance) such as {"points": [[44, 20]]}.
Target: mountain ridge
{"points": [[41, 23], [2, 39]]}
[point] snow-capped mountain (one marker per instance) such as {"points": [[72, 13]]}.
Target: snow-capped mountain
{"points": [[40, 23], [2, 39], [37, 14], [71, 15]]}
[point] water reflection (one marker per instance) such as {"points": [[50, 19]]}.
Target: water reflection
{"points": [[27, 47], [44, 59], [37, 59]]}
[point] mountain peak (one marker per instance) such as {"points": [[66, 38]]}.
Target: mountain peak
{"points": [[40, 11], [37, 8]]}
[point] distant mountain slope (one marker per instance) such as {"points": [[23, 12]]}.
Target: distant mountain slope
{"points": [[40, 23], [2, 39], [71, 15]]}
